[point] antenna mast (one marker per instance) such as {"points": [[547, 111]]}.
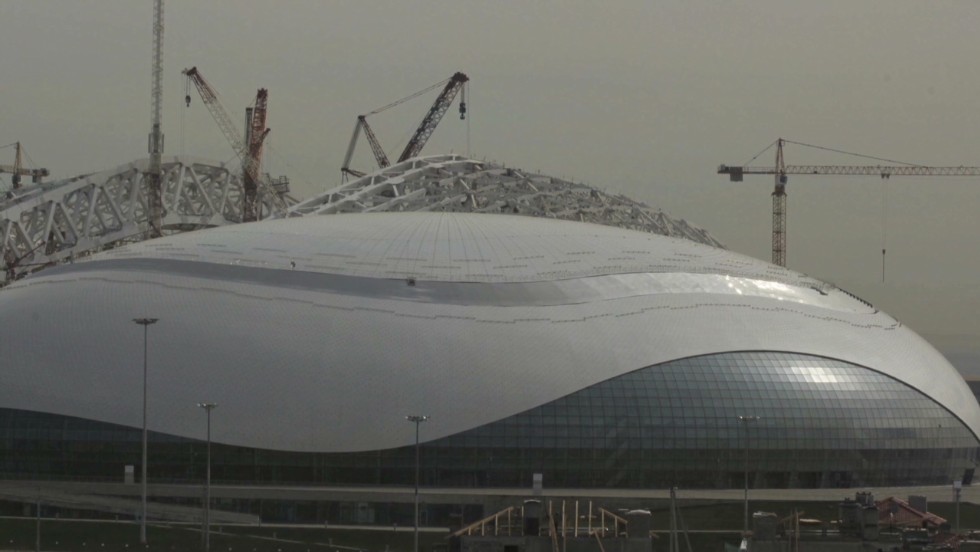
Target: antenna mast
{"points": [[154, 198]]}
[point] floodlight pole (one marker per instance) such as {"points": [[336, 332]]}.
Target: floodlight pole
{"points": [[37, 521], [417, 419], [208, 407], [744, 420], [145, 322]]}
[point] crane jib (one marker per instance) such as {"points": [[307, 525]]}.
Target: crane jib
{"points": [[884, 171]]}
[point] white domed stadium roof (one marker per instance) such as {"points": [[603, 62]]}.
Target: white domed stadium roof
{"points": [[322, 333]]}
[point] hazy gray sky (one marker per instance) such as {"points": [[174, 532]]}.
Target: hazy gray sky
{"points": [[645, 98]]}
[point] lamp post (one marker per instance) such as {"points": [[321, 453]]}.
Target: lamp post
{"points": [[208, 407], [417, 419], [744, 420], [145, 322]]}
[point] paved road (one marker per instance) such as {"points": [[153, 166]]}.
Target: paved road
{"points": [[970, 494]]}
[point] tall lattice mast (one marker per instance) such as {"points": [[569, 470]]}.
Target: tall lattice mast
{"points": [[779, 210], [154, 192]]}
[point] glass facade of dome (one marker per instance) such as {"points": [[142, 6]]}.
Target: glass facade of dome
{"points": [[821, 423]]}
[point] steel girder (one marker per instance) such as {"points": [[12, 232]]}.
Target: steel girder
{"points": [[54, 222], [48, 223], [456, 183]]}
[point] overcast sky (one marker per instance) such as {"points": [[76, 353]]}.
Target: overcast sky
{"points": [[644, 98]]}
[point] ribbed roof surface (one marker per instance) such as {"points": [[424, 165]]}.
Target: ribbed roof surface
{"points": [[452, 247], [321, 333]]}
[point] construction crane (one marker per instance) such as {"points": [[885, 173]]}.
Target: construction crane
{"points": [[379, 153], [451, 88], [781, 171], [18, 170], [249, 151], [154, 200], [257, 132]]}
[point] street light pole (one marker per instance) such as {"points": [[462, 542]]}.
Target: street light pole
{"points": [[744, 420], [208, 407], [145, 322], [417, 419]]}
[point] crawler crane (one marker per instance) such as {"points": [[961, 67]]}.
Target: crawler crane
{"points": [[451, 87], [249, 151]]}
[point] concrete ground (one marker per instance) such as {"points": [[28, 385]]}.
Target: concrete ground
{"points": [[70, 493]]}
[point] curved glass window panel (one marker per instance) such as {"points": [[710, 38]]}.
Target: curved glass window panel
{"points": [[821, 423]]}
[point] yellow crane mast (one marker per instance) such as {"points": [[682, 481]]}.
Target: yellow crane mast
{"points": [[18, 170]]}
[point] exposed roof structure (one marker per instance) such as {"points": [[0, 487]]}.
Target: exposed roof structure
{"points": [[45, 224], [452, 183]]}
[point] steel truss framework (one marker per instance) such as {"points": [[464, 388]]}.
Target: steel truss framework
{"points": [[456, 183], [48, 223]]}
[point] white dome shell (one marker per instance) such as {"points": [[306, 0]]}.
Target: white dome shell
{"points": [[322, 333]]}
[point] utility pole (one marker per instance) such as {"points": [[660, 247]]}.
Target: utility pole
{"points": [[145, 322], [207, 489], [37, 523], [957, 490], [744, 420], [417, 419]]}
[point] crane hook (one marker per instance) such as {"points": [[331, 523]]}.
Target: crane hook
{"points": [[462, 103]]}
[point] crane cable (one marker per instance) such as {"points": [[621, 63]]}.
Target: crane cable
{"points": [[187, 103], [405, 138], [467, 95], [884, 224], [756, 156], [854, 154], [23, 152], [884, 186], [884, 192], [407, 98], [824, 148]]}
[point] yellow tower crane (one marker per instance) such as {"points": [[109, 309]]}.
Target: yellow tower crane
{"points": [[18, 170], [781, 171]]}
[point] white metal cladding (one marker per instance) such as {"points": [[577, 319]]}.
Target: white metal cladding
{"points": [[331, 357], [453, 247]]}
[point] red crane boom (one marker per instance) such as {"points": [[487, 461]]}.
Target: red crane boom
{"points": [[250, 152], [451, 88], [432, 118], [252, 169]]}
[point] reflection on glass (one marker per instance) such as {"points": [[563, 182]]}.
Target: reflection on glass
{"points": [[825, 423]]}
